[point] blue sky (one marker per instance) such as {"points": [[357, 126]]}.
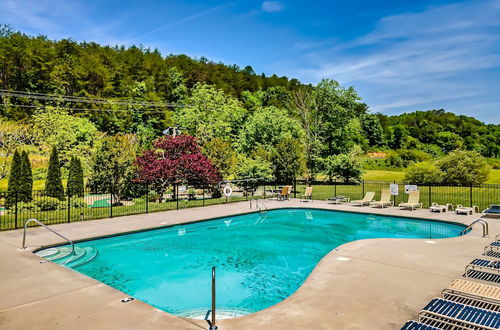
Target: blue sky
{"points": [[400, 55]]}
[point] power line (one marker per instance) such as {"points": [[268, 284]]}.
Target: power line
{"points": [[81, 99], [148, 111]]}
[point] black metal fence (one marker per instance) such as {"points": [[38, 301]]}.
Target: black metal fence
{"points": [[481, 195], [98, 205]]}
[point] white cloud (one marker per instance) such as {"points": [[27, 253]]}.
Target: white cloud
{"points": [[439, 58], [272, 6]]}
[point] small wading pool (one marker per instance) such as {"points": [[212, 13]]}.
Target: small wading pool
{"points": [[261, 258]]}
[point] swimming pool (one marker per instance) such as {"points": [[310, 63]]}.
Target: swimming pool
{"points": [[261, 258]]}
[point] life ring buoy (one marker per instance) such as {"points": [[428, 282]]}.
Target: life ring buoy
{"points": [[228, 190]]}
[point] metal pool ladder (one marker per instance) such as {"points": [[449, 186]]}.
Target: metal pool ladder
{"points": [[211, 323], [482, 222], [259, 204], [49, 229]]}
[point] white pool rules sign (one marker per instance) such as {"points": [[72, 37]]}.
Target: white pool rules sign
{"points": [[394, 189]]}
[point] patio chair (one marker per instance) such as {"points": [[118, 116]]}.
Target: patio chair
{"points": [[283, 194], [492, 212], [307, 195], [413, 201], [366, 200], [435, 207], [472, 290], [445, 314], [337, 200], [385, 199], [466, 210], [483, 269], [414, 325]]}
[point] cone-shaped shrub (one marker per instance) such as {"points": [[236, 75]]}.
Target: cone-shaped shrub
{"points": [[26, 182], [14, 180], [75, 178], [53, 183]]}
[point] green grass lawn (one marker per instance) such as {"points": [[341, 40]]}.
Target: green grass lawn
{"points": [[494, 176], [382, 175]]}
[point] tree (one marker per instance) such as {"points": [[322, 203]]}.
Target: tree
{"points": [[174, 160], [256, 170], [12, 136], [72, 135], [26, 179], [15, 178], [305, 109], [425, 173], [288, 160], [112, 165], [449, 141], [336, 106], [344, 166], [75, 184], [464, 167], [53, 183], [222, 155], [209, 114], [266, 128], [372, 129]]}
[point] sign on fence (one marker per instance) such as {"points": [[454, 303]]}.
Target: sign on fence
{"points": [[182, 189], [410, 187], [394, 189]]}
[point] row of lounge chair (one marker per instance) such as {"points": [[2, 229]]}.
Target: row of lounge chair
{"points": [[412, 203], [467, 304]]}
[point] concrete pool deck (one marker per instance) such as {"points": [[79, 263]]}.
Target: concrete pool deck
{"points": [[366, 284]]}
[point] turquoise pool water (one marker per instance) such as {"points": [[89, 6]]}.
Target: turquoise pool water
{"points": [[261, 258]]}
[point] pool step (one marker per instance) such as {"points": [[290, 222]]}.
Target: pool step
{"points": [[63, 256]]}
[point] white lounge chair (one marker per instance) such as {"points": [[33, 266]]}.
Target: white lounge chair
{"points": [[435, 207], [466, 210], [366, 200], [385, 199], [337, 200], [307, 195], [413, 201]]}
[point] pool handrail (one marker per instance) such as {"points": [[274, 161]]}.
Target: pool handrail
{"points": [[49, 229], [257, 202], [482, 222], [212, 323]]}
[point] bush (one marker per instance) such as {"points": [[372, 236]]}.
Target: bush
{"points": [[464, 167], [25, 207], [424, 173], [344, 166], [48, 204], [77, 203]]}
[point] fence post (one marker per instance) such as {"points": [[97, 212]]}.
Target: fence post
{"points": [[69, 206], [111, 200], [335, 188], [363, 189], [470, 195], [15, 210], [147, 197], [264, 191], [203, 196], [176, 189], [294, 187], [430, 194], [394, 196]]}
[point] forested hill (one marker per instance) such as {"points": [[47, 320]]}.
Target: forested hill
{"points": [[224, 106], [88, 69]]}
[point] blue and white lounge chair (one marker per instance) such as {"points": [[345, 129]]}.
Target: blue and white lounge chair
{"points": [[492, 212], [413, 325], [447, 314], [492, 250], [483, 269]]}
